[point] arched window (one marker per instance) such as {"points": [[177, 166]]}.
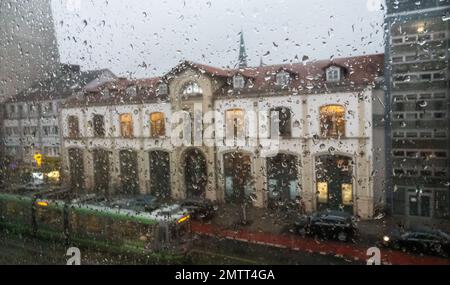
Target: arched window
{"points": [[332, 121], [74, 127], [157, 124], [192, 88]]}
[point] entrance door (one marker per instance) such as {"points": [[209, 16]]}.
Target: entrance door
{"points": [[101, 171], [334, 183], [237, 177], [282, 179], [76, 165], [160, 174], [129, 172], [419, 205], [195, 174]]}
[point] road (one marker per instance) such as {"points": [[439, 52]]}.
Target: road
{"points": [[206, 251]]}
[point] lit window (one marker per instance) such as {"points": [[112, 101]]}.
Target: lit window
{"points": [[192, 88], [126, 125], [347, 194], [238, 82], [74, 128], [158, 124], [333, 74], [332, 121], [235, 123], [283, 79], [322, 192]]}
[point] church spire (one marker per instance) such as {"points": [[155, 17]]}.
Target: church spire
{"points": [[242, 52]]}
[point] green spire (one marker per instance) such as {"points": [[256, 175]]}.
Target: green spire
{"points": [[242, 52]]}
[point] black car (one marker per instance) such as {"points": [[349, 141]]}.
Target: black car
{"points": [[328, 224], [425, 241], [199, 209]]}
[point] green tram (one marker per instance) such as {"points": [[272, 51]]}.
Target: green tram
{"points": [[160, 238]]}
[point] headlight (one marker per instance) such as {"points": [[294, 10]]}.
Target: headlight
{"points": [[386, 238]]}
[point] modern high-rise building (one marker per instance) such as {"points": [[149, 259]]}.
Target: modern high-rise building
{"points": [[28, 50], [417, 77], [28, 47]]}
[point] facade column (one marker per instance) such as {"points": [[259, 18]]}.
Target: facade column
{"points": [[115, 172], [176, 175], [363, 194], [307, 171], [211, 193], [220, 187], [142, 170], [260, 176], [307, 177], [88, 170]]}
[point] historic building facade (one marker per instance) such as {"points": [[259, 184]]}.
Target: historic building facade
{"points": [[266, 135]]}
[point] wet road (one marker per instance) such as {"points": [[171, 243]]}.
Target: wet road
{"points": [[26, 251]]}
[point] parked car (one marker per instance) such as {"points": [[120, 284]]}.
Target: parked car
{"points": [[328, 224], [199, 209], [425, 241]]}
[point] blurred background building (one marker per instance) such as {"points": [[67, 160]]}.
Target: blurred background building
{"points": [[417, 76], [28, 49]]}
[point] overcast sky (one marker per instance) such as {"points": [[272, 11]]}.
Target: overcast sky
{"points": [[142, 38]]}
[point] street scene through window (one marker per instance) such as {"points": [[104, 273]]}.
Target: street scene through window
{"points": [[218, 132]]}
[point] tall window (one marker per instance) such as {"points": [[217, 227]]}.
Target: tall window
{"points": [[332, 121], [126, 125], [99, 126], [283, 119], [235, 123], [74, 127], [157, 124]]}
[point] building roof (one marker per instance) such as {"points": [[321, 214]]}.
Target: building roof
{"points": [[117, 92], [68, 80], [359, 73]]}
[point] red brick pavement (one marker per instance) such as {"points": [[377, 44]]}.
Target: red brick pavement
{"points": [[344, 250]]}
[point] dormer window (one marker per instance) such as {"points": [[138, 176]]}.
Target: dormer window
{"points": [[283, 78], [333, 74], [131, 91], [238, 82], [163, 89]]}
